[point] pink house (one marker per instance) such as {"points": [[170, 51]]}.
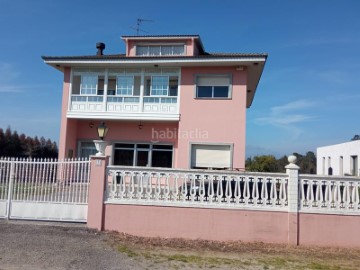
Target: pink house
{"points": [[166, 101]]}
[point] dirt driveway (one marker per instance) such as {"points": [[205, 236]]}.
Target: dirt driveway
{"points": [[29, 245], [43, 245]]}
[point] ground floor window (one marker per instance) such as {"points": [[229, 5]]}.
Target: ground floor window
{"points": [[86, 149], [205, 156], [142, 154]]}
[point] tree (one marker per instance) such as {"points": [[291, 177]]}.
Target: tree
{"points": [[262, 164], [268, 163], [13, 145]]}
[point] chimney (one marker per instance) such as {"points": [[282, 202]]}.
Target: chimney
{"points": [[100, 47]]}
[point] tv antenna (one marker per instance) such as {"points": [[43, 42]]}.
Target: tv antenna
{"points": [[139, 22]]}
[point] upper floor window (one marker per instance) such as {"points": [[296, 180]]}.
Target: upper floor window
{"points": [[125, 85], [159, 85], [88, 84], [213, 86], [160, 50]]}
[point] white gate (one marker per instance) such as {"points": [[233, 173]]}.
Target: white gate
{"points": [[44, 189]]}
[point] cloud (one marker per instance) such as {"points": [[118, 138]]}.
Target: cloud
{"points": [[8, 72], [288, 115], [9, 78]]}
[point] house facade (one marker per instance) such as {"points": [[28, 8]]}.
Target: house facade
{"points": [[339, 159], [166, 101]]}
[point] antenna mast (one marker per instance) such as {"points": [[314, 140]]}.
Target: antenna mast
{"points": [[137, 28]]}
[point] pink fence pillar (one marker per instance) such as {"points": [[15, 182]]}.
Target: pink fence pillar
{"points": [[97, 187], [293, 201]]}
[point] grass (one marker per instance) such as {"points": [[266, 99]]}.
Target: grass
{"points": [[287, 259]]}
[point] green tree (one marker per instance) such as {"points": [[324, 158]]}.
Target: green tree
{"points": [[265, 163]]}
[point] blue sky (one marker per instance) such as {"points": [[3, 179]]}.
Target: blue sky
{"points": [[308, 96]]}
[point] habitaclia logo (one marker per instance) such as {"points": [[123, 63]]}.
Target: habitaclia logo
{"points": [[157, 135]]}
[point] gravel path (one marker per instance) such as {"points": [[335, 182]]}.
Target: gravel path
{"points": [[44, 245]]}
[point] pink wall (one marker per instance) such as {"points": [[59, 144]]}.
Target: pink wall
{"points": [[216, 224], [68, 126], [128, 131], [95, 217], [329, 230], [223, 120], [197, 223]]}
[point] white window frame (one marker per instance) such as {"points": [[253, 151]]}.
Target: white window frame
{"points": [[160, 46], [79, 147], [132, 85], [227, 76], [167, 86], [82, 82], [135, 149]]}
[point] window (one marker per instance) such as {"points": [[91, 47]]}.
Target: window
{"points": [[162, 156], [211, 156], [88, 84], [354, 165], [160, 50], [159, 85], [87, 149], [143, 155], [341, 166], [124, 86], [213, 86]]}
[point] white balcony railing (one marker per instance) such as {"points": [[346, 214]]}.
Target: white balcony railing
{"points": [[127, 106]]}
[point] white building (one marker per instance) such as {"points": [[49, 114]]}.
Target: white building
{"points": [[339, 159]]}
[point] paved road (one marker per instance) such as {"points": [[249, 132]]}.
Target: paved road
{"points": [[37, 245]]}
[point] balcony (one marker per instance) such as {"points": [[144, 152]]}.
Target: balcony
{"points": [[129, 94], [129, 107]]}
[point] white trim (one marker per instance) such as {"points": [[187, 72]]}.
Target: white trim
{"points": [[197, 205], [70, 89], [124, 116], [142, 61]]}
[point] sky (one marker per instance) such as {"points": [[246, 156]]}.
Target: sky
{"points": [[308, 95]]}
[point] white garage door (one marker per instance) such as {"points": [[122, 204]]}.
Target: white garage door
{"points": [[210, 156]]}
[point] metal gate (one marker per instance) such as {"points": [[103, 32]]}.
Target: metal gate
{"points": [[44, 189]]}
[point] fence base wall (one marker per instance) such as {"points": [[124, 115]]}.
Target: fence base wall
{"points": [[197, 223], [329, 230], [232, 225]]}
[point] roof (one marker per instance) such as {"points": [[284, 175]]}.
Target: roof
{"points": [[254, 62], [161, 36], [124, 57]]}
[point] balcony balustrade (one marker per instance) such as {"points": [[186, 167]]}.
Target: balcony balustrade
{"points": [[122, 106]]}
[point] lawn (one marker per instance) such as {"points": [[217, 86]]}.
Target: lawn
{"points": [[199, 254]]}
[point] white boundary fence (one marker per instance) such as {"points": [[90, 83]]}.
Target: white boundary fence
{"points": [[44, 189], [195, 188], [331, 195], [288, 192]]}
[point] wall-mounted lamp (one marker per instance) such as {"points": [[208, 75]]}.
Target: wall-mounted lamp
{"points": [[102, 130], [140, 126], [100, 145], [91, 125]]}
